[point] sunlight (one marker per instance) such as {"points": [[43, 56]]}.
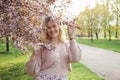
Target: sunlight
{"points": [[76, 7], [80, 5]]}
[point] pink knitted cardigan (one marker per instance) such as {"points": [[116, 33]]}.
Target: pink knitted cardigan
{"points": [[56, 61]]}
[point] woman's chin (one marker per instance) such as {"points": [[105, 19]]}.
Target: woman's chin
{"points": [[54, 36]]}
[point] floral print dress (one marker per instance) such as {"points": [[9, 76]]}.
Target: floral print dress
{"points": [[43, 76]]}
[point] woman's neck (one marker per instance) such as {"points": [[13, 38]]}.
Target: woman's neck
{"points": [[55, 41]]}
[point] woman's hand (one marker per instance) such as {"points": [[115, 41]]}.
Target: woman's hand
{"points": [[71, 29]]}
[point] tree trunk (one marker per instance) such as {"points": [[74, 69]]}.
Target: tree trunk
{"points": [[109, 33], [96, 33], [7, 43], [91, 35], [116, 31], [104, 32], [88, 32]]}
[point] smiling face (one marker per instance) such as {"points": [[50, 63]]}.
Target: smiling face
{"points": [[53, 29]]}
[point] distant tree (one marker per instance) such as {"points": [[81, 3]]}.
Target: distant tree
{"points": [[115, 8]]}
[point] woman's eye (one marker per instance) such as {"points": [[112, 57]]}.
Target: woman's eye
{"points": [[54, 26], [48, 27]]}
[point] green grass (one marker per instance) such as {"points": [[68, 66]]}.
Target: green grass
{"points": [[80, 72], [12, 67], [113, 45]]}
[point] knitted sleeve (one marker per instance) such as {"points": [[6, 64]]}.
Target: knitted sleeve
{"points": [[32, 66]]}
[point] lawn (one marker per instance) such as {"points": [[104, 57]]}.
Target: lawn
{"points": [[113, 45], [12, 67]]}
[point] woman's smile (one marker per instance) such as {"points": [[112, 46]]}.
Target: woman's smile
{"points": [[52, 29]]}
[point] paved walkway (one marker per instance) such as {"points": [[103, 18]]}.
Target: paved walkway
{"points": [[103, 62]]}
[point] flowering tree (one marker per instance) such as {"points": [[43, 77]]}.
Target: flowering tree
{"points": [[22, 20]]}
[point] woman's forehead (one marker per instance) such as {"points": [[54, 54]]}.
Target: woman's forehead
{"points": [[51, 23]]}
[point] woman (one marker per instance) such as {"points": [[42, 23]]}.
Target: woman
{"points": [[54, 64]]}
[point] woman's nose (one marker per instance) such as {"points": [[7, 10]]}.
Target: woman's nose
{"points": [[52, 29]]}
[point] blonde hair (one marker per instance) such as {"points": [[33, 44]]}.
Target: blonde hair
{"points": [[61, 37]]}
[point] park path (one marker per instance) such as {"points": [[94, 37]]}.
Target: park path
{"points": [[105, 63]]}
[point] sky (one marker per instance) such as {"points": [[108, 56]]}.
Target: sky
{"points": [[76, 7], [80, 5]]}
